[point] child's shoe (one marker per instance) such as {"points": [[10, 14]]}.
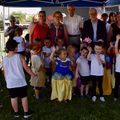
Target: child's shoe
{"points": [[27, 114], [115, 99], [16, 115], [94, 98], [102, 99]]}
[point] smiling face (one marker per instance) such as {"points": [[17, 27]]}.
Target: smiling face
{"points": [[93, 14], [71, 10], [57, 17], [98, 49], [63, 54], [42, 17], [84, 53]]}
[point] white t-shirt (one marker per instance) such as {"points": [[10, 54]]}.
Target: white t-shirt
{"points": [[14, 74], [117, 64], [73, 24], [96, 68], [21, 43], [47, 59], [84, 68]]}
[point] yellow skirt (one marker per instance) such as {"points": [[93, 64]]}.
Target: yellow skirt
{"points": [[107, 85], [61, 89]]}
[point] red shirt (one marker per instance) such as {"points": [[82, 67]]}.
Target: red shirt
{"points": [[40, 31]]}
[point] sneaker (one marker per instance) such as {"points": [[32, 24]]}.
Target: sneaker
{"points": [[102, 99], [115, 99], [16, 115], [94, 98], [81, 97], [27, 114]]}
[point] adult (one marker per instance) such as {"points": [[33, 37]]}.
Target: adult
{"points": [[104, 18], [114, 29], [73, 24], [10, 31], [112, 18], [94, 28], [57, 29], [39, 30]]}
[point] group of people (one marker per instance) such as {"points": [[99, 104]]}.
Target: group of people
{"points": [[61, 55]]}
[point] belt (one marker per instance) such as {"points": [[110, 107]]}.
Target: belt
{"points": [[74, 35]]}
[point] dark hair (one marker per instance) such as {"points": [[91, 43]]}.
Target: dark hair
{"points": [[104, 15], [84, 48], [99, 43], [11, 45], [42, 12], [27, 37], [70, 5], [111, 14], [57, 12]]}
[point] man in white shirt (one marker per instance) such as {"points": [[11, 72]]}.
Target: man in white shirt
{"points": [[73, 24]]}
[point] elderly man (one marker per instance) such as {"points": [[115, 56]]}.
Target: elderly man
{"points": [[94, 28], [73, 24]]}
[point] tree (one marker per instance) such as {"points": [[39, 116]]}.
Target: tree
{"points": [[19, 16]]}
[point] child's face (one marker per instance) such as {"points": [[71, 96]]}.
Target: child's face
{"points": [[98, 49], [72, 52], [19, 32], [47, 43], [60, 42], [63, 55], [84, 53]]}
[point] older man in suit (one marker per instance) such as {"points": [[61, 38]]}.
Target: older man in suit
{"points": [[94, 28]]}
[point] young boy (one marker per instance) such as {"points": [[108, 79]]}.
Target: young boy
{"points": [[97, 70], [84, 70], [13, 65]]}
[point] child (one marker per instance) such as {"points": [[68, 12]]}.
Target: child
{"points": [[84, 71], [117, 67], [97, 71], [72, 56], [27, 50], [13, 65], [38, 68], [47, 49], [20, 40], [60, 44], [62, 77]]}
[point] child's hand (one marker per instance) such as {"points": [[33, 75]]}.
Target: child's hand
{"points": [[111, 45], [118, 37], [53, 49], [89, 48]]}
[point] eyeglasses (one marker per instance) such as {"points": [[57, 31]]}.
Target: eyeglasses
{"points": [[12, 21]]}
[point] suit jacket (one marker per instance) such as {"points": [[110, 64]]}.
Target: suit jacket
{"points": [[101, 30]]}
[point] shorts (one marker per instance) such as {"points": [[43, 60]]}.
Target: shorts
{"points": [[84, 80], [18, 92]]}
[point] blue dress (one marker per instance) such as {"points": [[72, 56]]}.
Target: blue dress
{"points": [[62, 69]]}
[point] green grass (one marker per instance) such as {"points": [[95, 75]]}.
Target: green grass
{"points": [[50, 110]]}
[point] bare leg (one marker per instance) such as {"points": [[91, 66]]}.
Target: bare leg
{"points": [[37, 93], [14, 103], [86, 89], [81, 90], [25, 104]]}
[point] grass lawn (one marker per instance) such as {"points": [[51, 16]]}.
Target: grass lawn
{"points": [[50, 110]]}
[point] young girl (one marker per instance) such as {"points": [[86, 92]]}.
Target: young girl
{"points": [[84, 71], [117, 67], [13, 65], [20, 40], [38, 68], [97, 71], [62, 77]]}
